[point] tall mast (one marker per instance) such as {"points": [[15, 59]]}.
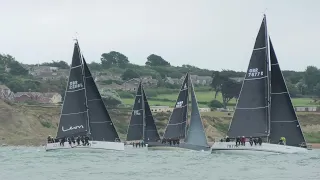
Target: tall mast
{"points": [[268, 78], [186, 130], [143, 112], [85, 89]]}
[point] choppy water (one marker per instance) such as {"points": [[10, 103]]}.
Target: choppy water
{"points": [[26, 163]]}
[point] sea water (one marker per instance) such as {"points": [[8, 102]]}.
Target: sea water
{"points": [[30, 163]]}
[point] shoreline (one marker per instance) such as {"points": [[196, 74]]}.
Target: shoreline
{"points": [[313, 145]]}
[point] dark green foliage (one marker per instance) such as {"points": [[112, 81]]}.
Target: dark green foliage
{"points": [[114, 58], [129, 74], [215, 104], [155, 60]]}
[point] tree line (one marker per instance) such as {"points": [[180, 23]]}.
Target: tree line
{"points": [[17, 78]]}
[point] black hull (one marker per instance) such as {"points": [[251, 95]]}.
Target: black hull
{"points": [[159, 145]]}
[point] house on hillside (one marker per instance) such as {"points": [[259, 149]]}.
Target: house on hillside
{"points": [[104, 77], [201, 80], [171, 80], [6, 93], [131, 85], [157, 109], [48, 72], [147, 81], [114, 86], [44, 98], [28, 96]]}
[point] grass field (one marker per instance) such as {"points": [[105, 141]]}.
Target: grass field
{"points": [[204, 98]]}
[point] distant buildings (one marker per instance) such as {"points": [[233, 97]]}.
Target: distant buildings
{"points": [[48, 72], [44, 98], [6, 93]]}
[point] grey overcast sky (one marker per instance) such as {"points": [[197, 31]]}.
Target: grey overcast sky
{"points": [[212, 34]]}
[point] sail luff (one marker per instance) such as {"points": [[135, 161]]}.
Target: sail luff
{"points": [[187, 122], [143, 113], [268, 77]]}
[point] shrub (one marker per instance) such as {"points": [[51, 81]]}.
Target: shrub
{"points": [[46, 124], [215, 104]]}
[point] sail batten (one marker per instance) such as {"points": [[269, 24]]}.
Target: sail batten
{"points": [[176, 126]]}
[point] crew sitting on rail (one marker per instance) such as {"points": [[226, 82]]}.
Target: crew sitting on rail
{"points": [[259, 141], [243, 141], [251, 141], [50, 139], [282, 141], [86, 140], [238, 141], [227, 139]]}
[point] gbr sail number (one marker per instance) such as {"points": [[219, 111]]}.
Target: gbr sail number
{"points": [[254, 72]]}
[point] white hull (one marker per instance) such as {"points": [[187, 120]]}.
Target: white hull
{"points": [[94, 145], [265, 148], [130, 146], [167, 148]]}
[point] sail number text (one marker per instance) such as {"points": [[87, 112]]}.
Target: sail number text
{"points": [[179, 104], [254, 72], [75, 85]]}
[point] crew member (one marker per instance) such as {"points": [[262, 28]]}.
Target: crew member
{"points": [[251, 141], [227, 139], [259, 141], [238, 141]]}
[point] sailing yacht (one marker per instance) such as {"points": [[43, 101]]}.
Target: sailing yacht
{"points": [[264, 108], [142, 127], [194, 137], [83, 111]]}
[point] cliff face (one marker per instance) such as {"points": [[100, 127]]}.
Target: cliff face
{"points": [[30, 125]]}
